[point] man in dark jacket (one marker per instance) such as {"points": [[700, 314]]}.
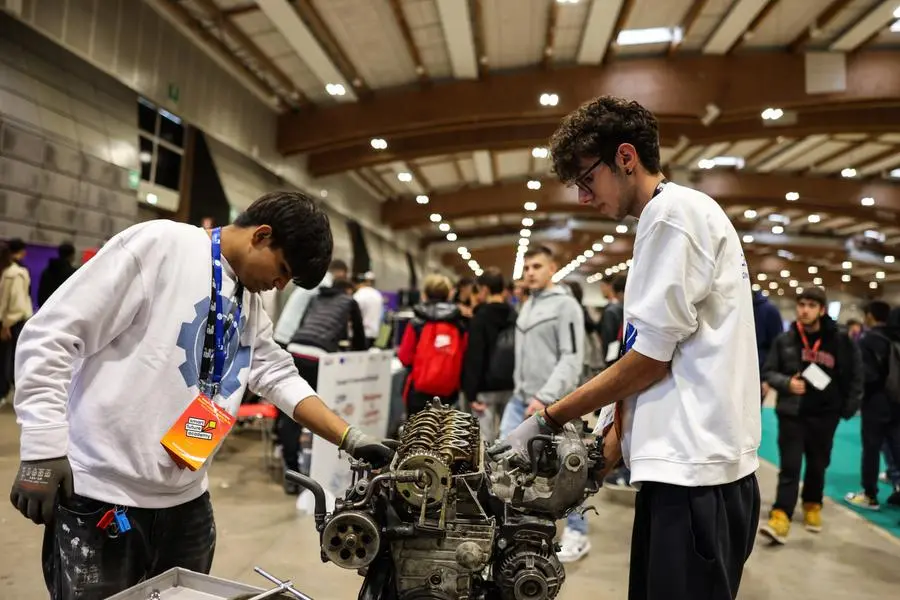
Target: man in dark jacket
{"points": [[880, 413], [768, 328], [56, 273], [817, 371], [484, 381]]}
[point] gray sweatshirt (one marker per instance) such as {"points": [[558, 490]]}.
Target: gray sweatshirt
{"points": [[549, 346]]}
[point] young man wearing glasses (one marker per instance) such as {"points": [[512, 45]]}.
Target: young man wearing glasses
{"points": [[686, 388]]}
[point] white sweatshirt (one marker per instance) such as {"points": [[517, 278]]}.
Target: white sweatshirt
{"points": [[109, 363], [688, 301]]}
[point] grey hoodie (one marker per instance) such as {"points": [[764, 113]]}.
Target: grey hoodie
{"points": [[549, 346]]}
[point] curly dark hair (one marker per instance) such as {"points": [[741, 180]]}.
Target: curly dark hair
{"points": [[597, 128], [300, 228]]}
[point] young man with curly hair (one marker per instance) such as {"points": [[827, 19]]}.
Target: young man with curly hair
{"points": [[165, 318], [686, 387]]}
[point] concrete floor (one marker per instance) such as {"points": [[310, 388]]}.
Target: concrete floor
{"points": [[258, 525]]}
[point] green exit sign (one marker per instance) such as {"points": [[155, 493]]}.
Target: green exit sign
{"points": [[134, 179], [174, 92]]}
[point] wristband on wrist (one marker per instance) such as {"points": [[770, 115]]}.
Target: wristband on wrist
{"points": [[548, 421], [344, 438]]}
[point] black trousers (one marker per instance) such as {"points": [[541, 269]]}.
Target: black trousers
{"points": [[810, 436], [692, 543], [82, 562], [289, 430], [880, 426]]}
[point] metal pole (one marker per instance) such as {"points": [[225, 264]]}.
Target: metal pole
{"points": [[285, 585]]}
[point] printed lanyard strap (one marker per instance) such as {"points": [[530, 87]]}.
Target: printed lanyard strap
{"points": [[212, 364], [802, 333]]}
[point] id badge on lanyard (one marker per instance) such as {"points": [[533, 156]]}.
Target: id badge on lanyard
{"points": [[202, 427], [814, 374]]}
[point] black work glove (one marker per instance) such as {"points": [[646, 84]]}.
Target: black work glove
{"points": [[362, 446], [36, 486]]}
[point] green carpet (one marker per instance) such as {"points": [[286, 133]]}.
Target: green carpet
{"points": [[843, 473]]}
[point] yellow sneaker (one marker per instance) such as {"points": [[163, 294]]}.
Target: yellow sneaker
{"points": [[778, 526], [812, 516]]}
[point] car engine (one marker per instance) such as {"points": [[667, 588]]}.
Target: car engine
{"points": [[450, 520]]}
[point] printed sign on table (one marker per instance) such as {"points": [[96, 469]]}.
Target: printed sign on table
{"points": [[357, 386]]}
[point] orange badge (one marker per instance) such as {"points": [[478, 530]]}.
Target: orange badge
{"points": [[197, 433]]}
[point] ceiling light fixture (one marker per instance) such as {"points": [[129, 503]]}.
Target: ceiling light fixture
{"points": [[889, 259], [404, 177], [530, 206], [589, 253], [845, 278], [813, 218], [748, 239], [525, 233], [793, 283], [846, 265], [792, 196], [817, 281], [524, 241], [462, 250], [649, 35], [762, 277], [527, 221], [597, 247], [867, 201], [435, 218], [777, 229], [848, 172], [451, 237], [540, 152], [895, 173], [873, 285], [444, 227], [621, 228], [608, 239], [422, 199], [813, 270], [879, 275], [785, 273], [335, 89], [533, 184], [772, 114], [547, 99], [378, 143], [750, 214]]}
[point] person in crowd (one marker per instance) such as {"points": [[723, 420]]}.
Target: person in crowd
{"points": [[15, 308], [687, 385], [817, 371], [549, 359], [57, 272], [464, 296], [854, 329], [330, 317], [299, 300], [768, 327], [612, 326], [591, 337], [487, 377], [612, 320], [519, 293], [371, 303], [100, 386], [880, 412], [433, 346], [891, 474]]}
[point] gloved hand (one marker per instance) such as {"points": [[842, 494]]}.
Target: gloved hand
{"points": [[362, 446], [36, 486], [516, 443]]}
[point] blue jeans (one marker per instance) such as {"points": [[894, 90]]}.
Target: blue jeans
{"points": [[513, 416], [891, 461]]}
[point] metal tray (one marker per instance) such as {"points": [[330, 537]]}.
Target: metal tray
{"points": [[181, 584]]}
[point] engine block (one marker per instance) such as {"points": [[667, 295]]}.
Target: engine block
{"points": [[450, 520]]}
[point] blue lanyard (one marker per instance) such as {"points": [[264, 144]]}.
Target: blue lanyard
{"points": [[217, 322]]}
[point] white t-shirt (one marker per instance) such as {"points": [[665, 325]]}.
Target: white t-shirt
{"points": [[110, 362], [688, 301], [371, 305]]}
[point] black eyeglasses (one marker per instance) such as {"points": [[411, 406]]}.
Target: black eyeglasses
{"points": [[580, 180]]}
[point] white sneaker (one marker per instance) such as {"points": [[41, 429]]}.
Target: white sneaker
{"points": [[573, 547]]}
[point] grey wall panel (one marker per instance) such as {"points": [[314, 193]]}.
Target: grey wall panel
{"points": [[22, 144], [18, 206]]}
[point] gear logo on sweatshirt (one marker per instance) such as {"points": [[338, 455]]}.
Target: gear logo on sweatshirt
{"points": [[191, 338]]}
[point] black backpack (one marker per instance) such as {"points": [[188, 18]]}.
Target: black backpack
{"points": [[891, 369], [502, 362]]}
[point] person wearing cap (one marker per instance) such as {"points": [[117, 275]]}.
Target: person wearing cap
{"points": [[817, 372], [371, 303], [165, 323]]}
